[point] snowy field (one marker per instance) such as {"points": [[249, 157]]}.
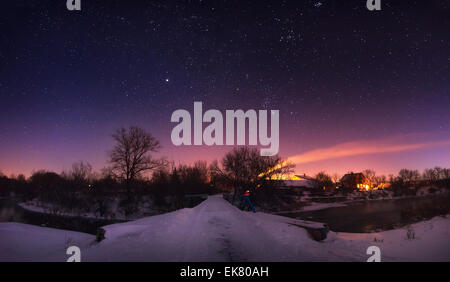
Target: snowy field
{"points": [[218, 231]]}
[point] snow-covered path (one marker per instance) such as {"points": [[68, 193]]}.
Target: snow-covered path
{"points": [[211, 231], [218, 231]]}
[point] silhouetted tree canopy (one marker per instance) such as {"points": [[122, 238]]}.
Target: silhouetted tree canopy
{"points": [[245, 168], [131, 156]]}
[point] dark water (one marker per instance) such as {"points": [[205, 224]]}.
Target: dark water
{"points": [[11, 212], [360, 217], [372, 216]]}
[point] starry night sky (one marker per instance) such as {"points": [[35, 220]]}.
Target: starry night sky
{"points": [[337, 72]]}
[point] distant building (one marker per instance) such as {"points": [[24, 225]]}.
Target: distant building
{"points": [[355, 181], [299, 181]]}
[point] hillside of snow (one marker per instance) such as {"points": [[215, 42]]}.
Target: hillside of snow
{"points": [[217, 231]]}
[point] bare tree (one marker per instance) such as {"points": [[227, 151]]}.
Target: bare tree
{"points": [[435, 175], [130, 157], [81, 172], [446, 173], [323, 181], [245, 168], [370, 175], [409, 176], [429, 175], [335, 177], [380, 179], [439, 172]]}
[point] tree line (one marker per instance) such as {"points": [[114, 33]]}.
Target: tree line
{"points": [[135, 178], [406, 179]]}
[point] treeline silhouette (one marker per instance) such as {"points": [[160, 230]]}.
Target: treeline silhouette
{"points": [[104, 195], [406, 182], [168, 187], [137, 184]]}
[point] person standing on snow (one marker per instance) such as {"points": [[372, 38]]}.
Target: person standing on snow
{"points": [[247, 198]]}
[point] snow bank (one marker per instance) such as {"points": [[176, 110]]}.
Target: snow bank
{"points": [[217, 231], [23, 242]]}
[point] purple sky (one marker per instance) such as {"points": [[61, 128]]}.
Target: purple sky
{"points": [[344, 79]]}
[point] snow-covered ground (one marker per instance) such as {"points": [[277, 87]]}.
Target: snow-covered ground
{"points": [[23, 242], [217, 231]]}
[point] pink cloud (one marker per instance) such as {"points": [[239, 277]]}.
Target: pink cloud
{"points": [[361, 148]]}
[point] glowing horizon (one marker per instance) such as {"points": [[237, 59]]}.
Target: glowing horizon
{"points": [[309, 162]]}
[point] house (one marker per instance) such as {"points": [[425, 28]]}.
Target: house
{"points": [[299, 181], [355, 181]]}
